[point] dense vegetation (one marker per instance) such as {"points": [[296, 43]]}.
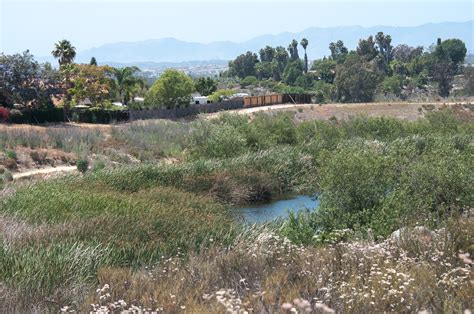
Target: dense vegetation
{"points": [[162, 236], [375, 70], [374, 67]]}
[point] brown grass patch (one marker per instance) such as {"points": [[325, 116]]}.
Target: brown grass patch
{"points": [[266, 273]]}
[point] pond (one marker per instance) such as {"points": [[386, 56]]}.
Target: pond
{"points": [[277, 209]]}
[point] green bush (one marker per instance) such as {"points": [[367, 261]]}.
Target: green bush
{"points": [[385, 185], [82, 165], [392, 84], [221, 95], [10, 154], [5, 176], [248, 81], [217, 141], [232, 135], [98, 165]]}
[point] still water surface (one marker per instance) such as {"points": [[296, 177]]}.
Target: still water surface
{"points": [[276, 209]]}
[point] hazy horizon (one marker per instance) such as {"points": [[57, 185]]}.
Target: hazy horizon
{"points": [[38, 25]]}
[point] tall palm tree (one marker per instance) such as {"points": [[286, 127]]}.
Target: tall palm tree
{"points": [[64, 52], [304, 43], [125, 83]]}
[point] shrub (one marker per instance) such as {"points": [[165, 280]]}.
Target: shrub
{"points": [[35, 116], [10, 163], [325, 92], [82, 165], [98, 165], [221, 95], [6, 176], [248, 81], [10, 154], [392, 84], [15, 114], [217, 141], [266, 130], [4, 114], [387, 185]]}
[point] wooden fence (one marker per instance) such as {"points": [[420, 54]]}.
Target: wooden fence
{"points": [[256, 101], [236, 103], [185, 112], [276, 99]]}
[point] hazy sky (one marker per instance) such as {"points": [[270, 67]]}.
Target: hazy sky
{"points": [[37, 25]]}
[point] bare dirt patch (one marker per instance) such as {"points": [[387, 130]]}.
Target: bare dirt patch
{"points": [[400, 110]]}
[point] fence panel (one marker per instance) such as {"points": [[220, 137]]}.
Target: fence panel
{"points": [[185, 112]]}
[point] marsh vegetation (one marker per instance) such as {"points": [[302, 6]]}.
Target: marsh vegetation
{"points": [[158, 233]]}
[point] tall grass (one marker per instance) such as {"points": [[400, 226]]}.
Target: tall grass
{"points": [[151, 140], [266, 273], [278, 171], [159, 235], [73, 227], [71, 139]]}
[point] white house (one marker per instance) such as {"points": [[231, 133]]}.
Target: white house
{"points": [[197, 99]]}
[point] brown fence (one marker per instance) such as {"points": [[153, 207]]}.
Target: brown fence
{"points": [[185, 112], [296, 99], [275, 99], [237, 103], [256, 101]]}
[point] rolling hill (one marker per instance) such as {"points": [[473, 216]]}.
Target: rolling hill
{"points": [[174, 50]]}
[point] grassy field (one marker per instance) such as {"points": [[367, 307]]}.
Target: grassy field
{"points": [[152, 230]]}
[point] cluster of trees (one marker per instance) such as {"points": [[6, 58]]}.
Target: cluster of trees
{"points": [[354, 75], [346, 76], [278, 63], [25, 82]]}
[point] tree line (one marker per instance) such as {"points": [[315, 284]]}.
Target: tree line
{"points": [[25, 83], [344, 75], [355, 75]]}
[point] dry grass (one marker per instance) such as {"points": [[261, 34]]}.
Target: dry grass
{"points": [[401, 110], [264, 273]]}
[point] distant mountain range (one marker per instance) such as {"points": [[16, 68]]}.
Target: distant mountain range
{"points": [[174, 50]]}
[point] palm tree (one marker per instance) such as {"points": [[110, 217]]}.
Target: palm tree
{"points": [[304, 43], [293, 49], [125, 83], [64, 52]]}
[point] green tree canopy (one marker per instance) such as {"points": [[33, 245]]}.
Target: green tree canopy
{"points": [[384, 45], [338, 50], [249, 80], [244, 65], [455, 49], [442, 69], [267, 54], [293, 70], [24, 81], [366, 48], [172, 90], [355, 81], [205, 86], [325, 70]]}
